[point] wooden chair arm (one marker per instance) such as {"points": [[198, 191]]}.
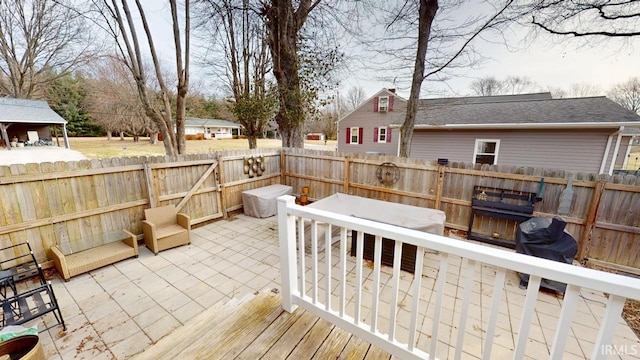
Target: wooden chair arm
{"points": [[60, 262], [184, 220]]}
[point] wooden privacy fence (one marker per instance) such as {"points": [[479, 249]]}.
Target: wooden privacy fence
{"points": [[603, 214], [51, 203]]}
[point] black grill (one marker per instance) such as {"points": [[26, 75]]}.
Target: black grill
{"points": [[546, 238]]}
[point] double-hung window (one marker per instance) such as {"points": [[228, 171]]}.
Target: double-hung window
{"points": [[382, 134], [486, 151], [383, 104], [354, 135]]}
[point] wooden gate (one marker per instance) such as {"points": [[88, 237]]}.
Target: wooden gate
{"points": [[192, 186]]}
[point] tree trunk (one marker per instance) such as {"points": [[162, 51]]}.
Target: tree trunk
{"points": [[427, 12], [253, 141], [121, 135], [292, 137], [283, 25], [153, 138]]}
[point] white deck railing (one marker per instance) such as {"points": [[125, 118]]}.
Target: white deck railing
{"points": [[306, 274]]}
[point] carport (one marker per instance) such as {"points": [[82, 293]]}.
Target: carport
{"points": [[27, 121]]}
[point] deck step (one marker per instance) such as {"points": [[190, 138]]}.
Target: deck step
{"points": [[256, 327]]}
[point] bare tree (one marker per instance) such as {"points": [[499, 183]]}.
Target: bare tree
{"points": [[242, 41], [518, 85], [285, 21], [603, 18], [427, 10], [584, 90], [113, 101], [511, 85], [486, 86], [121, 24], [627, 94], [40, 41], [355, 97]]}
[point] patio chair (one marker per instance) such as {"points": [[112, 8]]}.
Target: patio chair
{"points": [[164, 228]]}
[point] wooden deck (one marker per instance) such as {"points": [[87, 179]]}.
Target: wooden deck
{"points": [[258, 328]]}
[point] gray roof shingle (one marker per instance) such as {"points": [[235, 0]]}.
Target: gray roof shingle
{"points": [[514, 110], [28, 111]]}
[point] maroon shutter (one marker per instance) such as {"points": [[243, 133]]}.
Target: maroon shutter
{"points": [[375, 104], [348, 135], [359, 135], [388, 134], [391, 103], [375, 134]]}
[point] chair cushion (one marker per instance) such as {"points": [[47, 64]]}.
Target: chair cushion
{"points": [[168, 230], [161, 216]]}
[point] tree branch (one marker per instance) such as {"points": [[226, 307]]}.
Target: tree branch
{"points": [[586, 33], [485, 26]]}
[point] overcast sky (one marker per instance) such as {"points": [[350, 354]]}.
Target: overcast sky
{"points": [[546, 61]]}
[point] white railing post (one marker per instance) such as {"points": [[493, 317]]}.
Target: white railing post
{"points": [[288, 266]]}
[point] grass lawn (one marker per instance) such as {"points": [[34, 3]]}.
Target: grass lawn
{"points": [[100, 147]]}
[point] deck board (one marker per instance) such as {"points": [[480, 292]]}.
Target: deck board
{"points": [[356, 349], [283, 347], [333, 345], [258, 328], [312, 341], [270, 335]]}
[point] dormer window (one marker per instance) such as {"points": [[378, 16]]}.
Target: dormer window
{"points": [[383, 104]]}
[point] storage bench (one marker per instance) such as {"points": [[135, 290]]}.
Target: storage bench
{"points": [[78, 257], [261, 202]]}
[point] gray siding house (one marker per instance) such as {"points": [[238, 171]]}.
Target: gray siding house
{"points": [[28, 121], [591, 134]]}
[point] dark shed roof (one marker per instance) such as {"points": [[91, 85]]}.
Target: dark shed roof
{"points": [[28, 111]]}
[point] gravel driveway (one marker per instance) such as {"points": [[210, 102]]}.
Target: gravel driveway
{"points": [[38, 154]]}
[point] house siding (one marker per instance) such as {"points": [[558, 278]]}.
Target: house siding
{"points": [[557, 149], [366, 118]]}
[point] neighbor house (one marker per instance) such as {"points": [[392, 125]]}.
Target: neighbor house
{"points": [[24, 121], [199, 129], [534, 130]]}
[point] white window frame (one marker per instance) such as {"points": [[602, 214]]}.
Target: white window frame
{"points": [[384, 108], [382, 137], [495, 155], [355, 133]]}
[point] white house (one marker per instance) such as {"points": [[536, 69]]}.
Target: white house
{"points": [[199, 129]]}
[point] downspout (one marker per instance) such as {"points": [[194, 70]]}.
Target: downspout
{"points": [[628, 152], [606, 154], [615, 151], [64, 134]]}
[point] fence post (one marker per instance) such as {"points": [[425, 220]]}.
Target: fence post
{"points": [[148, 176], [440, 185], [592, 216], [282, 168], [288, 264], [221, 186], [345, 184]]}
